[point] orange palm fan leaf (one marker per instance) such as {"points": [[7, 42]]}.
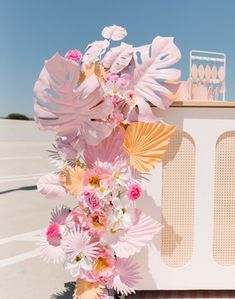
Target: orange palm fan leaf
{"points": [[88, 290], [71, 178], [146, 143]]}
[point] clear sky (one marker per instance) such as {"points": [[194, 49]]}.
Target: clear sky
{"points": [[32, 31]]}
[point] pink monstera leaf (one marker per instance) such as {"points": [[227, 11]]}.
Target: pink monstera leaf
{"points": [[126, 280], [118, 58], [108, 150], [49, 186], [151, 72], [137, 236], [65, 107]]}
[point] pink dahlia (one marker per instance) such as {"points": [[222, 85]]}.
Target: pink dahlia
{"points": [[134, 191], [74, 55]]}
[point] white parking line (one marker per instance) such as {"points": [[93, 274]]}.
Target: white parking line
{"points": [[30, 236], [22, 177], [20, 158], [18, 258]]}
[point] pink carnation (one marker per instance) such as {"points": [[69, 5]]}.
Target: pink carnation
{"points": [[53, 234], [74, 55], [134, 192]]}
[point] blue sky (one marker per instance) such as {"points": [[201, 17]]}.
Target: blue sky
{"points": [[32, 31]]}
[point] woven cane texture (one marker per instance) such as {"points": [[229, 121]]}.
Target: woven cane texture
{"points": [[178, 200], [224, 209]]}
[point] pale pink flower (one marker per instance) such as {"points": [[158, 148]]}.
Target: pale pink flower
{"points": [[134, 191], [103, 267], [98, 221], [92, 177], [74, 55], [112, 77], [129, 98], [78, 218]]}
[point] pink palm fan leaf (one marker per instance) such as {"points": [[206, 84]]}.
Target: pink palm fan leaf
{"points": [[78, 243], [66, 108], [151, 75], [59, 215], [127, 278], [137, 236], [108, 150]]}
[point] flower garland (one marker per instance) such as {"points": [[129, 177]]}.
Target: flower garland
{"points": [[107, 138]]}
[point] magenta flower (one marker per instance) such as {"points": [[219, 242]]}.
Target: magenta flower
{"points": [[50, 249], [53, 234], [134, 191], [74, 55]]}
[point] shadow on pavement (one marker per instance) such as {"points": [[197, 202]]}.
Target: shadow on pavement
{"points": [[67, 293], [27, 188]]}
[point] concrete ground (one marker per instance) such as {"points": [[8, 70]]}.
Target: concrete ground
{"points": [[24, 213]]}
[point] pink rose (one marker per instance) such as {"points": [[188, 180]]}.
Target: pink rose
{"points": [[74, 55], [92, 201], [134, 192], [53, 234]]}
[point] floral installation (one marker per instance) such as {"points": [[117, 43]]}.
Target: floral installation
{"points": [[99, 104]]}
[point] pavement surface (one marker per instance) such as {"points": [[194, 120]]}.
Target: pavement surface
{"points": [[24, 213]]}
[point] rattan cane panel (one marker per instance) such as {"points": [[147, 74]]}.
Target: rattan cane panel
{"points": [[224, 209], [178, 200]]}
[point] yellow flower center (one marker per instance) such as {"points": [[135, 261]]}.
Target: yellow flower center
{"points": [[94, 181], [102, 189], [117, 176], [101, 264], [115, 91], [113, 231]]}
